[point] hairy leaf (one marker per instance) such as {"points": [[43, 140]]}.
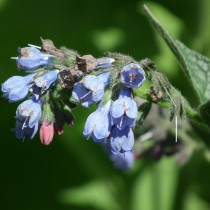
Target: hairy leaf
{"points": [[195, 65]]}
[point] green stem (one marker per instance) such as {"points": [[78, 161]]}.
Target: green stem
{"points": [[191, 114]]}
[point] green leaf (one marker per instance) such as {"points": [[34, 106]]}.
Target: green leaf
{"points": [[205, 112], [155, 186], [195, 66], [96, 194], [143, 111]]}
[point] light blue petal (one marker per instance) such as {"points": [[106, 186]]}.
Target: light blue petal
{"points": [[32, 58], [46, 80], [18, 94], [127, 144], [98, 124], [123, 161], [121, 140], [123, 122], [104, 77]]}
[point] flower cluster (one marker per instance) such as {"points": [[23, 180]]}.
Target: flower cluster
{"points": [[52, 77], [58, 80], [35, 84], [113, 121]]}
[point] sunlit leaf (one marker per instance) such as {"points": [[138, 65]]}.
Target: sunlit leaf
{"points": [[155, 186], [195, 66], [97, 194]]}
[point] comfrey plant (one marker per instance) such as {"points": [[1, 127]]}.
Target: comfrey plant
{"points": [[58, 80]]}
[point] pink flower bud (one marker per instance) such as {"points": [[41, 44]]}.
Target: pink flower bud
{"points": [[46, 133]]}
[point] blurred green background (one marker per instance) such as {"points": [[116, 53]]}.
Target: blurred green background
{"points": [[73, 173]]}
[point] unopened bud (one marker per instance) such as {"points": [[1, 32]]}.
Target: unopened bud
{"points": [[46, 133]]}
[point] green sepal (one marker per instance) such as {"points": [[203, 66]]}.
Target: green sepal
{"points": [[47, 113]]}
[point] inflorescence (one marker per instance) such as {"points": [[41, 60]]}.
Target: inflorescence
{"points": [[58, 80]]}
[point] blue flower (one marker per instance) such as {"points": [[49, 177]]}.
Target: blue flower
{"points": [[16, 87], [31, 58], [98, 124], [25, 132], [90, 89], [28, 115], [104, 77], [124, 110], [102, 63], [123, 161], [121, 140], [132, 75], [42, 83]]}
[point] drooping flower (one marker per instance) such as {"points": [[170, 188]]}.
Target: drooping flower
{"points": [[90, 89], [132, 75], [121, 140], [28, 115], [98, 124], [22, 131], [46, 133], [30, 58], [42, 83], [124, 110], [16, 87], [123, 161]]}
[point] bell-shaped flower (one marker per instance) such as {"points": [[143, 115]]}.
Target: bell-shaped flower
{"points": [[42, 83], [121, 140], [30, 58], [90, 89], [132, 75], [31, 110], [16, 87], [123, 161], [25, 132], [124, 110], [28, 115], [98, 124]]}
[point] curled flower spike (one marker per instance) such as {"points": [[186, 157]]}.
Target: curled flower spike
{"points": [[123, 161], [121, 140], [98, 124], [124, 110], [16, 87], [132, 75], [28, 115], [42, 83], [30, 58], [91, 89], [46, 133]]}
